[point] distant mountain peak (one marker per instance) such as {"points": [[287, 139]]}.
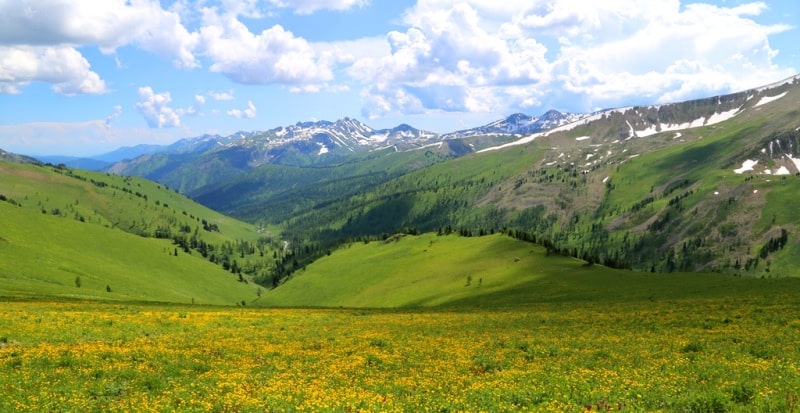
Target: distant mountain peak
{"points": [[519, 124], [403, 127], [552, 114]]}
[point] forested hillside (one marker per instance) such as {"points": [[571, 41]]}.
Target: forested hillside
{"points": [[660, 189], [75, 233]]}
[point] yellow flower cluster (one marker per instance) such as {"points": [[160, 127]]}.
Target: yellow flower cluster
{"points": [[663, 356]]}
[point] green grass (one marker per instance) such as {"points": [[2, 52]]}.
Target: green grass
{"points": [[132, 204], [708, 351], [61, 225], [490, 271], [42, 255]]}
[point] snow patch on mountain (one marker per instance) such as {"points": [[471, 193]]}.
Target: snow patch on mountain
{"points": [[722, 116], [712, 120], [767, 99], [519, 124], [746, 166], [788, 80], [795, 161]]}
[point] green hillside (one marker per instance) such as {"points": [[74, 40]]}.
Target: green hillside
{"points": [[488, 271], [663, 202], [71, 233], [274, 193]]}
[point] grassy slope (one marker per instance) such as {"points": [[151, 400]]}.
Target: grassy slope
{"points": [[43, 188], [43, 254], [752, 207], [431, 270], [555, 187]]}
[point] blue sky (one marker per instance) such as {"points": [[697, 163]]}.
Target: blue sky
{"points": [[81, 77]]}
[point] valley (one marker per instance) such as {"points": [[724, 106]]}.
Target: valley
{"points": [[636, 259]]}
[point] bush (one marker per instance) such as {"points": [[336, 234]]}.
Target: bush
{"points": [[707, 403], [692, 347], [742, 393]]}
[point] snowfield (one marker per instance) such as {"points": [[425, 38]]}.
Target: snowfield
{"points": [[746, 166], [767, 99]]}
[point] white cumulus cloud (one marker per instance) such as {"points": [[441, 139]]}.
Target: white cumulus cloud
{"points": [[40, 39], [154, 107], [481, 55], [273, 56], [64, 68]]}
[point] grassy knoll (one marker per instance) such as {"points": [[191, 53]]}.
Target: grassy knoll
{"points": [[489, 271], [705, 353]]}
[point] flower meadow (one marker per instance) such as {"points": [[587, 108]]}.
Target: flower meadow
{"points": [[685, 355]]}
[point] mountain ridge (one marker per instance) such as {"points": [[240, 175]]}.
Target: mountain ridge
{"points": [[701, 185], [307, 143]]}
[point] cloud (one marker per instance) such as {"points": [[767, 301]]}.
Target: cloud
{"points": [[481, 55], [316, 88], [273, 56], [311, 6], [200, 99], [221, 95], [108, 24], [675, 54], [153, 106], [446, 61], [110, 118], [82, 138], [248, 113], [64, 68], [39, 40]]}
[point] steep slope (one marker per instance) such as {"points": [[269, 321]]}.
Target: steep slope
{"points": [[142, 240], [289, 190]]}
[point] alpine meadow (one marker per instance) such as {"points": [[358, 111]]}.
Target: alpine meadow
{"points": [[644, 257]]}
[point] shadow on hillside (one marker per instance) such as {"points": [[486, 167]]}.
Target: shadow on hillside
{"points": [[600, 285]]}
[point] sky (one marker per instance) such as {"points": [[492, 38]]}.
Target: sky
{"points": [[84, 77]]}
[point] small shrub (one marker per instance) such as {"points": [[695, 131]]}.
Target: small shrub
{"points": [[377, 342], [743, 393], [761, 351], [373, 361], [692, 347], [485, 364], [707, 403]]}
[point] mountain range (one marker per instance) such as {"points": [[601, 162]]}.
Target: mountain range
{"points": [[705, 184], [314, 142]]}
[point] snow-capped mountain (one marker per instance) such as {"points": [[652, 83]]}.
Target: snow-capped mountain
{"points": [[519, 124], [343, 136], [304, 143]]}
